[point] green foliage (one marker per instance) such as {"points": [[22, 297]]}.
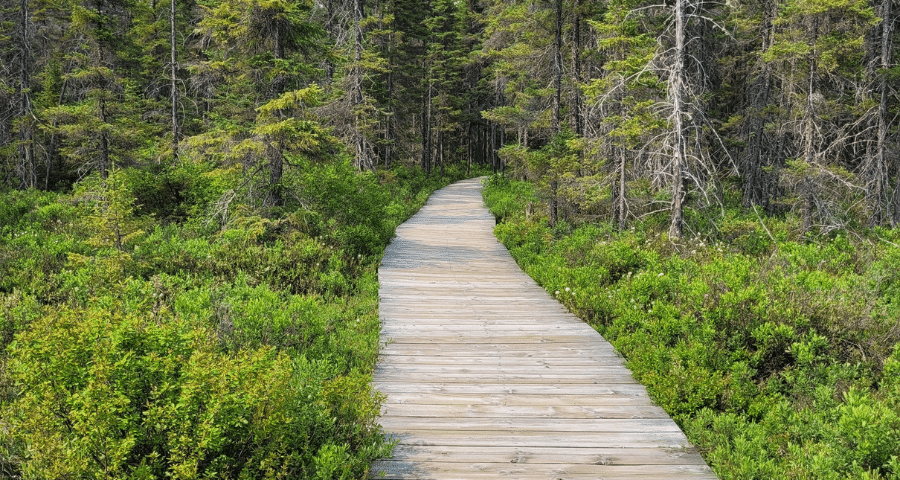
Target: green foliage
{"points": [[141, 338], [503, 201], [120, 394], [777, 358]]}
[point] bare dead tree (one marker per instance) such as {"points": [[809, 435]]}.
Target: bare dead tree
{"points": [[363, 158], [176, 131], [27, 167], [878, 160], [677, 96]]}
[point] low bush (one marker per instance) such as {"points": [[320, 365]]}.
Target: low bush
{"points": [[778, 358], [178, 328]]}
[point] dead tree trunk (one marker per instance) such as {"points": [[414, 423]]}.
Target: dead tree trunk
{"points": [[104, 141], [577, 102], [276, 170], [757, 184], [426, 123], [27, 166], [176, 133], [679, 140], [363, 161], [809, 129], [878, 166], [557, 69], [388, 122]]}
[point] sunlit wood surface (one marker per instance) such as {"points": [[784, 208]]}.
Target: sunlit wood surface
{"points": [[488, 376]]}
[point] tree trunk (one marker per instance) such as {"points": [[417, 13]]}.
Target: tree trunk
{"points": [[492, 146], [577, 107], [557, 70], [329, 30], [621, 207], [553, 214], [756, 182], [363, 162], [53, 145], [104, 141], [176, 133], [429, 144], [809, 128], [388, 123], [441, 149], [677, 84], [426, 122], [27, 167], [276, 170], [876, 191], [469, 149]]}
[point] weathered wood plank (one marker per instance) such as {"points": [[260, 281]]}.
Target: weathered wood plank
{"points": [[553, 410], [447, 425], [510, 379], [499, 349], [512, 388], [542, 370], [517, 470], [421, 327], [536, 339], [485, 375], [557, 455], [518, 399], [388, 360], [525, 438]]}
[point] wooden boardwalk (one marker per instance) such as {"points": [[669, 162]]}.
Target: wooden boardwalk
{"points": [[487, 376]]}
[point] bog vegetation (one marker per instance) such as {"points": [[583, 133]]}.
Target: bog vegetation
{"points": [[140, 348], [195, 194], [777, 354]]}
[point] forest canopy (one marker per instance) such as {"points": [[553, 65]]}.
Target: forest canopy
{"points": [[617, 108]]}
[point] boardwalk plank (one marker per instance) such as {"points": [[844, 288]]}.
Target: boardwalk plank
{"points": [[519, 399], [485, 375], [553, 455], [525, 470], [401, 360], [442, 370], [552, 410], [514, 424]]}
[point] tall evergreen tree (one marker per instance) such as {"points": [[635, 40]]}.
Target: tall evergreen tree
{"points": [[256, 51], [818, 50]]}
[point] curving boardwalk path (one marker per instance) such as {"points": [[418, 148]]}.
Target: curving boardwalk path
{"points": [[487, 376]]}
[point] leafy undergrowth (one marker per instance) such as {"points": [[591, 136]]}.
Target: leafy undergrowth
{"points": [[151, 334], [778, 358]]}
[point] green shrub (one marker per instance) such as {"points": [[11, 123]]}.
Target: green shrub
{"points": [[106, 394], [146, 332], [779, 359]]}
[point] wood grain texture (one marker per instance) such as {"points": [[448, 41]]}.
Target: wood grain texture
{"points": [[486, 375]]}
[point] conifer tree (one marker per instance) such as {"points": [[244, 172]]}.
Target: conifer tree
{"points": [[98, 108], [621, 123], [819, 39], [258, 50]]}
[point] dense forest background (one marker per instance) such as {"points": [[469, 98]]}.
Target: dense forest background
{"points": [[196, 196], [618, 108]]}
